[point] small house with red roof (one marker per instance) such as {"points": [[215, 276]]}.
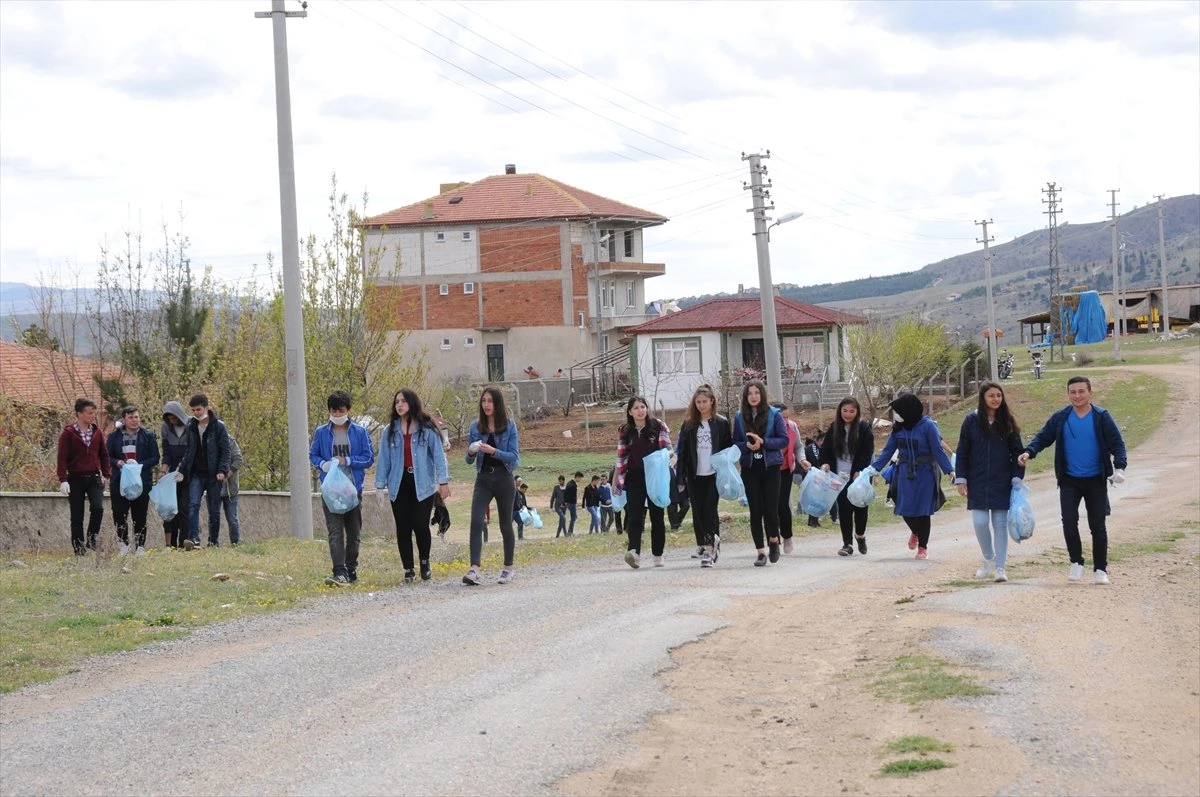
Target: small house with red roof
{"points": [[721, 340], [511, 272]]}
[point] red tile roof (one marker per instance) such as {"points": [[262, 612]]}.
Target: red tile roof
{"points": [[745, 312], [46, 378], [511, 197]]}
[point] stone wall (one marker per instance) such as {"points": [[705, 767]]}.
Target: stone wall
{"points": [[32, 522]]}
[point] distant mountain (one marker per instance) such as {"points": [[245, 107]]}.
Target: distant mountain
{"points": [[953, 290], [17, 298]]}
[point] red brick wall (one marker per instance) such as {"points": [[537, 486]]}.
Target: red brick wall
{"points": [[520, 249], [456, 311], [394, 307], [522, 304], [581, 275]]}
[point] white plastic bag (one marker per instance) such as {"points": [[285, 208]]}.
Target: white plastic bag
{"points": [[131, 480], [818, 491], [729, 480], [338, 491], [1020, 513], [535, 518], [164, 497], [861, 492]]}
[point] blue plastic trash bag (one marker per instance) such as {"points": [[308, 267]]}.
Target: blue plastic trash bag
{"points": [[729, 480], [619, 499], [886, 475], [338, 491], [535, 518], [525, 515], [131, 481], [1020, 513], [861, 492], [164, 498], [818, 491], [658, 477]]}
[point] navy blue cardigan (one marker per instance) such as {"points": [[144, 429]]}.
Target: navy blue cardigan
{"points": [[987, 463]]}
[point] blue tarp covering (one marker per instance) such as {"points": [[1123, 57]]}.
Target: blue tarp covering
{"points": [[1089, 322]]}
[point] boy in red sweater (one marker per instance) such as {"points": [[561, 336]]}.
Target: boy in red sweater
{"points": [[83, 471]]}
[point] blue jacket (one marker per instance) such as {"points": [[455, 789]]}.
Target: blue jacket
{"points": [[1108, 437], [147, 457], [915, 477], [987, 464], [774, 441], [429, 464], [508, 447], [215, 447], [362, 453]]}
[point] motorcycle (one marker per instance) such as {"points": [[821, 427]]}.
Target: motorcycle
{"points": [[1005, 363], [1037, 364]]}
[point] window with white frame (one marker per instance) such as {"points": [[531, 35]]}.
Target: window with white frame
{"points": [[468, 288], [630, 294], [446, 344], [803, 351], [439, 237], [466, 236], [444, 289], [469, 341], [677, 356], [610, 294]]}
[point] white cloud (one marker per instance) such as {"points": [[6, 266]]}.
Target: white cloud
{"points": [[892, 128]]}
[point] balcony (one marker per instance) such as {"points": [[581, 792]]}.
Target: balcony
{"points": [[610, 321], [629, 268]]}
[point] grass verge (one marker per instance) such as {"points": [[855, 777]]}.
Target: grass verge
{"points": [[920, 745], [907, 767], [916, 679]]}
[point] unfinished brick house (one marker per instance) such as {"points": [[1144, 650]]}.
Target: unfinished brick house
{"points": [[510, 272]]}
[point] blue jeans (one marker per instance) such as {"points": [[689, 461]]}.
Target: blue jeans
{"points": [[594, 511], [231, 517], [574, 510], [562, 521], [993, 542], [197, 487]]}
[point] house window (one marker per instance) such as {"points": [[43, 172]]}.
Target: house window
{"points": [[604, 344], [444, 289], [629, 243], [445, 344], [439, 237], [469, 341], [629, 293], [677, 356], [468, 288], [801, 351], [466, 235]]}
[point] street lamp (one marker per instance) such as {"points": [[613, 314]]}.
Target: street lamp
{"points": [[766, 290]]}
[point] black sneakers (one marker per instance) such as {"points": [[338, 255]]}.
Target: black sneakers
{"points": [[773, 552], [426, 571]]}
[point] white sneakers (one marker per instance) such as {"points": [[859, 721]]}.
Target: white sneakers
{"points": [[659, 562], [787, 545], [124, 550], [141, 550], [1076, 574], [987, 568], [1001, 576], [506, 575]]}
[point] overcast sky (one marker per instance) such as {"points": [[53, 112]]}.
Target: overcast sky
{"points": [[893, 125]]}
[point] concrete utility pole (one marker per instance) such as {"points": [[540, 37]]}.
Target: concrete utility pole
{"points": [[1165, 325], [766, 290], [991, 314], [1116, 286], [596, 327], [293, 326]]}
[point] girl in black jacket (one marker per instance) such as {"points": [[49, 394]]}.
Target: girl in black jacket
{"points": [[985, 469], [848, 448], [702, 434]]}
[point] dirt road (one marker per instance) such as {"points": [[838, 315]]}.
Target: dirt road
{"points": [[1097, 689], [589, 678]]}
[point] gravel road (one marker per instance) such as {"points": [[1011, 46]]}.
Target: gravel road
{"points": [[436, 689]]}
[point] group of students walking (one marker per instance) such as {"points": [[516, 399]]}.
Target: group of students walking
{"points": [[413, 473]]}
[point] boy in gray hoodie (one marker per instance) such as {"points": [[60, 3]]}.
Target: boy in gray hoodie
{"points": [[177, 453]]}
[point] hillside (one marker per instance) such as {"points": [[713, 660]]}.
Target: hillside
{"points": [[952, 290]]}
